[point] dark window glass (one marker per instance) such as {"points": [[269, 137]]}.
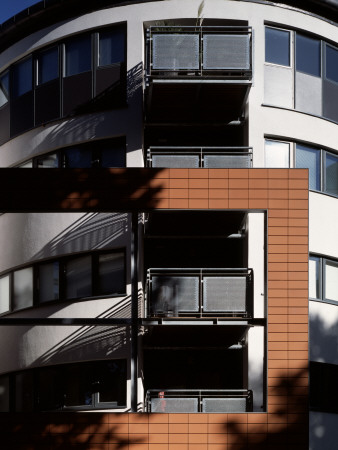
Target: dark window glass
{"points": [[113, 156], [24, 391], [323, 387], [111, 274], [4, 393], [331, 174], [79, 277], [22, 77], [4, 294], [277, 46], [4, 88], [78, 56], [78, 385], [331, 61], [308, 59], [309, 158], [78, 157], [48, 282], [314, 277], [48, 65], [50, 390], [111, 47], [110, 381]]}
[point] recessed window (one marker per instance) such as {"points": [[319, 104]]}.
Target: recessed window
{"points": [[78, 157], [331, 280], [309, 158], [4, 88], [323, 279], [314, 277], [331, 173], [331, 63], [49, 276], [48, 161], [277, 46], [48, 65], [111, 273], [111, 47], [323, 387], [22, 288], [277, 154], [308, 55], [78, 277], [78, 56], [22, 77], [4, 294], [81, 386]]}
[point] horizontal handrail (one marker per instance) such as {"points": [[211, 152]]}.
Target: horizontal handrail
{"points": [[199, 400], [223, 156], [199, 51], [173, 292]]}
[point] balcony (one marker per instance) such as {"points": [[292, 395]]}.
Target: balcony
{"points": [[199, 293], [197, 74], [194, 157], [198, 401]]}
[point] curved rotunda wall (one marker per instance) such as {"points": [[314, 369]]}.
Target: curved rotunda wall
{"points": [[51, 235]]}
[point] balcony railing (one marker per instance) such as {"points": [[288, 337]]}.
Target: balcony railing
{"points": [[193, 157], [199, 292], [198, 401], [199, 51]]}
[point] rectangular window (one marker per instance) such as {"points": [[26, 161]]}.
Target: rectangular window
{"points": [[113, 156], [331, 280], [78, 277], [331, 173], [4, 294], [323, 387], [111, 47], [314, 277], [48, 161], [78, 56], [48, 65], [309, 158], [24, 391], [48, 282], [22, 77], [4, 89], [111, 274], [277, 46], [78, 157], [23, 288], [308, 55], [331, 63], [277, 154]]}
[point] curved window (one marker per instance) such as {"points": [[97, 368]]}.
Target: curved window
{"points": [[67, 278], [277, 46], [79, 386], [81, 74], [308, 56], [331, 63]]}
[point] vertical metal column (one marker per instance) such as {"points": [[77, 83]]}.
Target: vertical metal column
{"points": [[134, 310]]}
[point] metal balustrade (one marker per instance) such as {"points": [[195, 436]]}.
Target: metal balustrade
{"points": [[194, 157], [199, 292], [198, 401], [202, 51]]}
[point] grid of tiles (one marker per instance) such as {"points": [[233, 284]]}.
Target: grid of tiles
{"points": [[283, 193]]}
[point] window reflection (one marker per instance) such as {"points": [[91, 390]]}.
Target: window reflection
{"points": [[277, 46], [22, 78], [48, 65], [308, 57], [78, 56]]}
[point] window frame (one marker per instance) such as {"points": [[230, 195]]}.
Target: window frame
{"points": [[62, 261], [322, 278], [291, 46]]}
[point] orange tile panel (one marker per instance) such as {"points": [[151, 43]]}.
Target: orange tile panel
{"points": [[238, 194], [218, 183], [299, 174], [278, 184], [299, 195], [218, 173], [181, 438], [160, 428], [178, 418], [299, 213], [218, 193], [298, 240], [278, 204], [277, 257], [138, 428], [238, 204], [258, 204], [239, 173], [258, 194], [199, 183], [178, 173], [257, 183], [298, 204], [218, 203], [217, 438], [198, 173], [278, 173], [179, 183], [238, 183], [178, 203], [198, 203], [157, 446], [179, 193], [278, 337], [259, 173]]}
